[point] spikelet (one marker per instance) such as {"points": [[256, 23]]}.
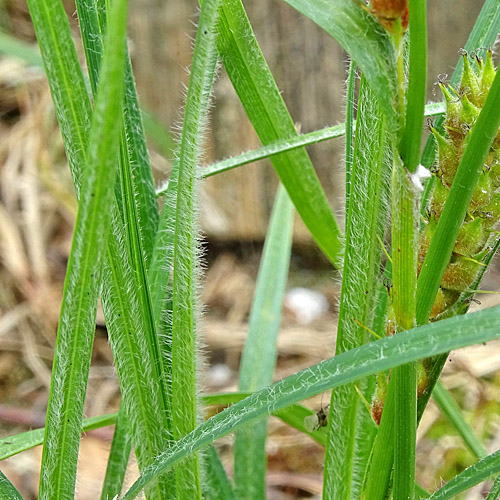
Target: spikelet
{"points": [[462, 109]]}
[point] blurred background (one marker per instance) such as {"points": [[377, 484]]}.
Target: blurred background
{"points": [[38, 208]]}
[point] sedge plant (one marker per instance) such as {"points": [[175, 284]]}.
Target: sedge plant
{"points": [[403, 305]]}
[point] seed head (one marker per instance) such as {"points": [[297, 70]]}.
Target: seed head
{"points": [[389, 11]]}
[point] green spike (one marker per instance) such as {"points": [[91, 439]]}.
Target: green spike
{"points": [[471, 238], [448, 157], [488, 74], [439, 197], [379, 397], [444, 300], [428, 233], [482, 193], [442, 142], [470, 81], [469, 112], [460, 274], [453, 106], [421, 376], [487, 77]]}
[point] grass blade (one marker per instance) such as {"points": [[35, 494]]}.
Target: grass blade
{"points": [[284, 145], [366, 219], [126, 327], [382, 459], [272, 149], [378, 356], [421, 492], [12, 445], [363, 38], [184, 416], [139, 207], [66, 82], [452, 412], [118, 457], [219, 485], [494, 493], [7, 489], [77, 319], [349, 131], [161, 289], [466, 178], [264, 105], [417, 78], [471, 476], [161, 265], [26, 52], [292, 415], [138, 201], [260, 352], [141, 392]]}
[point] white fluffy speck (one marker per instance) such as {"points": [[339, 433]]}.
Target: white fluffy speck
{"points": [[420, 175], [220, 375], [306, 305]]}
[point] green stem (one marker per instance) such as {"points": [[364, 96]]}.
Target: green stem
{"points": [[404, 263], [398, 43], [412, 135]]}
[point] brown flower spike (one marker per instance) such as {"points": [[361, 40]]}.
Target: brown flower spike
{"points": [[389, 11]]}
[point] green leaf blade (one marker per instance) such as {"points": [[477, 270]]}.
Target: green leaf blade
{"points": [[141, 392], [78, 310], [65, 79], [495, 490], [368, 207], [7, 489], [12, 445], [471, 476], [185, 265], [119, 455], [260, 352], [264, 105], [417, 78], [452, 412], [406, 347], [363, 38], [218, 484]]}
